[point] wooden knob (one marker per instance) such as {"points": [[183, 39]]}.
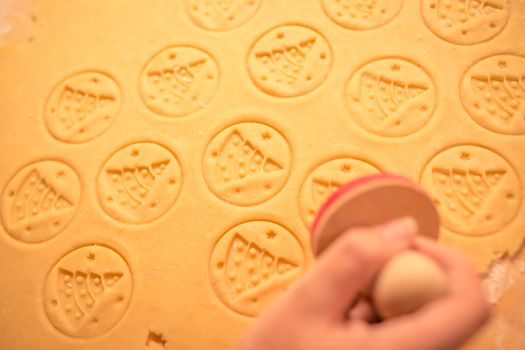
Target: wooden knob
{"points": [[407, 282]]}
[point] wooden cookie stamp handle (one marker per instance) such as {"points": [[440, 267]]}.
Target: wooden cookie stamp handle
{"points": [[406, 283]]}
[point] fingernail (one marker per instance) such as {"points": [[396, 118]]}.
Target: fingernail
{"points": [[400, 229]]}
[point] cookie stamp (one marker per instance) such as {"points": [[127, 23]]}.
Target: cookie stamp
{"points": [[289, 61], [40, 201], [493, 93], [362, 14], [465, 22], [139, 183], [178, 81], [391, 97], [221, 15], [247, 163], [325, 180], [82, 107], [87, 292], [476, 190], [253, 263]]}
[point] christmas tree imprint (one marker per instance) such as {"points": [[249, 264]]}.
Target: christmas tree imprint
{"points": [[250, 267], [359, 8], [386, 98], [133, 184], [80, 292], [466, 22], [36, 199], [139, 182], [289, 61], [325, 180], [222, 14], [87, 291], [322, 189], [464, 13], [503, 97], [464, 193], [226, 9], [178, 81], [239, 160], [77, 109], [253, 263], [247, 163], [285, 63], [173, 84], [362, 14], [82, 106]]}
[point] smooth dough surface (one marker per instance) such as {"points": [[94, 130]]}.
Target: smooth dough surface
{"points": [[161, 161]]}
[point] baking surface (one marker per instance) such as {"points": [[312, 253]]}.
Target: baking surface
{"points": [[161, 161]]}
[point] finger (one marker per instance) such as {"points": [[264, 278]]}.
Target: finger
{"points": [[349, 265], [465, 287], [453, 262], [362, 311], [447, 322]]}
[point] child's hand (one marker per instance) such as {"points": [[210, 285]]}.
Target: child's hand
{"points": [[314, 313]]}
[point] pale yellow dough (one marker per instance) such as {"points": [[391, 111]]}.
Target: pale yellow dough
{"points": [[173, 153]]}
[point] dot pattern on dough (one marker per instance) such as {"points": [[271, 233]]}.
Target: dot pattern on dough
{"points": [[82, 107], [87, 292], [466, 22], [325, 180], [253, 263], [40, 200], [493, 92], [139, 183], [362, 14], [391, 97], [476, 190], [220, 15], [247, 163], [289, 61], [179, 81]]}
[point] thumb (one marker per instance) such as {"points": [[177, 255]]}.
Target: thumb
{"points": [[349, 266]]}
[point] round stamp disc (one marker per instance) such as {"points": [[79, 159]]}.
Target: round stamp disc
{"points": [[373, 200]]}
